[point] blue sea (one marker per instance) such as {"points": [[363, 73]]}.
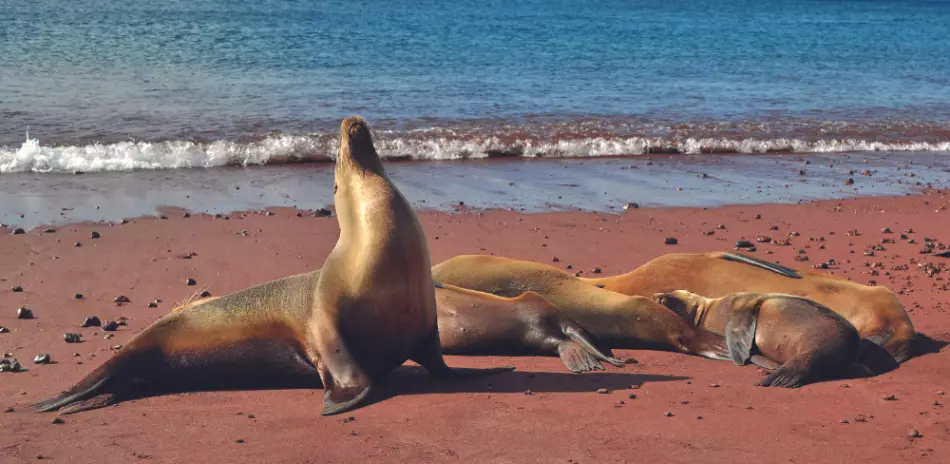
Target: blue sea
{"points": [[107, 85]]}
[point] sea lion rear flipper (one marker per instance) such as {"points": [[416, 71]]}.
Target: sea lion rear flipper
{"points": [[740, 334], [345, 384], [764, 363], [793, 374], [429, 356]]}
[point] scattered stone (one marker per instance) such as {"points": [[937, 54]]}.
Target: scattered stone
{"points": [[860, 419], [629, 206], [153, 304], [110, 326], [41, 358], [715, 385], [323, 212], [78, 296], [108, 336], [72, 337], [3, 329], [555, 260], [668, 414], [10, 409], [757, 216], [349, 419], [914, 433], [18, 231], [670, 241], [16, 289], [92, 321], [886, 230], [58, 420], [849, 182], [121, 299], [116, 347], [744, 244], [204, 294], [844, 421], [24, 313], [603, 391], [632, 396], [721, 227], [528, 392], [95, 235], [191, 281], [596, 270], [890, 398], [763, 239]]}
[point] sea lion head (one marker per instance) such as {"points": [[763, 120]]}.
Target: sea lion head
{"points": [[356, 146], [681, 302]]}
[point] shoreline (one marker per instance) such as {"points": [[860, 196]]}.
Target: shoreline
{"points": [[484, 419], [530, 186]]}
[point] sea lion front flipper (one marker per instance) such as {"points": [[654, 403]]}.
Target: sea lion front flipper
{"points": [[581, 337], [429, 356], [345, 384], [764, 363], [740, 334]]}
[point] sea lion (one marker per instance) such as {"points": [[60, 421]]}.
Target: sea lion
{"points": [[873, 310], [369, 310], [800, 339], [617, 321], [478, 323]]}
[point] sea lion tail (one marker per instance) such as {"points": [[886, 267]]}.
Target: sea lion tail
{"points": [[776, 268], [92, 392]]}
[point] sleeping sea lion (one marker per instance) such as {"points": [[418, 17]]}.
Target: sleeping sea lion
{"points": [[798, 338], [873, 310], [616, 320]]}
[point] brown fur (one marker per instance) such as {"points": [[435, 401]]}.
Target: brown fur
{"points": [[874, 311], [804, 339], [618, 321]]}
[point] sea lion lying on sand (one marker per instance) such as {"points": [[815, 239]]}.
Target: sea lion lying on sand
{"points": [[798, 338], [874, 311], [616, 320]]}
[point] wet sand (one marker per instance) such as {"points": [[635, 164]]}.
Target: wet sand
{"points": [[717, 413], [527, 185]]}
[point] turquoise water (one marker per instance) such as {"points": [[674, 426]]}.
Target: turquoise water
{"points": [[107, 85]]}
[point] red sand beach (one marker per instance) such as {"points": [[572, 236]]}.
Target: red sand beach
{"points": [[716, 414]]}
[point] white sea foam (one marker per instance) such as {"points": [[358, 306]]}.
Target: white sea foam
{"points": [[32, 156]]}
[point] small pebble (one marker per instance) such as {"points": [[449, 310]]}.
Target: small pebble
{"points": [[668, 414], [110, 326], [632, 396], [78, 296], [3, 329], [9, 410], [349, 419], [95, 235], [24, 313], [758, 216], [58, 420], [10, 365], [844, 421], [671, 241], [715, 385], [91, 321], [528, 392], [18, 231], [914, 433], [890, 398], [153, 304], [108, 336], [744, 244], [205, 294], [191, 282], [603, 391], [596, 270], [72, 337], [121, 299], [17, 289], [860, 419]]}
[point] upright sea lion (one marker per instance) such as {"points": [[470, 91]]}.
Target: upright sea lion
{"points": [[874, 311], [616, 320], [479, 323], [799, 338], [369, 310]]}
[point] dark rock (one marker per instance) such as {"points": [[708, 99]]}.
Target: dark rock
{"points": [[603, 391], [110, 326], [10, 365], [555, 260], [849, 182], [49, 231], [763, 239], [24, 313], [323, 212], [18, 231], [629, 206], [153, 304], [3, 329], [42, 358], [744, 244], [205, 294], [757, 216], [16, 289], [890, 398], [95, 235], [58, 420], [72, 337], [596, 270], [121, 299], [191, 281], [668, 414], [670, 241], [92, 321], [78, 296], [914, 433], [77, 244]]}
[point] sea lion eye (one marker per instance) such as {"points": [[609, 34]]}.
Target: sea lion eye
{"points": [[335, 187]]}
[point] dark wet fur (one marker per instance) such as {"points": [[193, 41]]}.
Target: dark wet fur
{"points": [[776, 268]]}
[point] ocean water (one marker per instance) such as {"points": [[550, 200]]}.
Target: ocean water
{"points": [[106, 85]]}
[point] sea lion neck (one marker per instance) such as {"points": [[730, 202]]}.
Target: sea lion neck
{"points": [[700, 308]]}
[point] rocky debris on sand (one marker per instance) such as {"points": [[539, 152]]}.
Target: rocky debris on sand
{"points": [[668, 414], [603, 391], [41, 358], [24, 313], [58, 420], [629, 206], [323, 212], [110, 326], [72, 337], [670, 241], [3, 329], [596, 270], [914, 433], [95, 235], [91, 321], [153, 304], [204, 294], [79, 296], [763, 239], [744, 244], [121, 299], [10, 365], [16, 289], [191, 281], [890, 398]]}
